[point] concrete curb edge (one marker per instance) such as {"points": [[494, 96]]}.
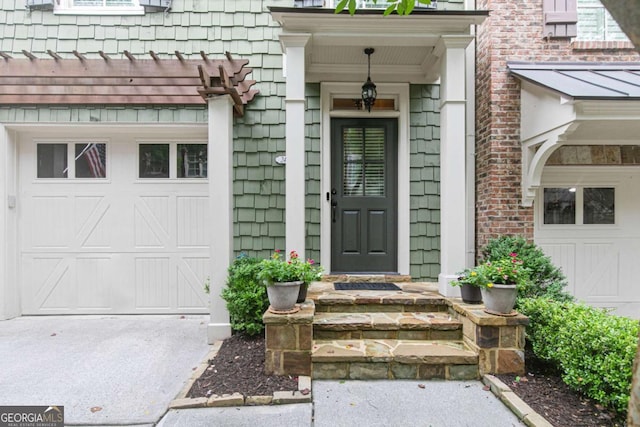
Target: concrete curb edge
{"points": [[181, 401], [521, 410]]}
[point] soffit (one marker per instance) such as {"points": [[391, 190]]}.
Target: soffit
{"points": [[404, 45]]}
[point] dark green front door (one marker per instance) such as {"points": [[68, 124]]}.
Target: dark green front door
{"points": [[363, 195]]}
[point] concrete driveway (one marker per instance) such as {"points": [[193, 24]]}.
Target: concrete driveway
{"points": [[103, 369]]}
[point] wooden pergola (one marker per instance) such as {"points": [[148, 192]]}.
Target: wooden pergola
{"points": [[132, 81]]}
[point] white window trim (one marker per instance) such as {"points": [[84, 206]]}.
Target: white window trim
{"points": [[66, 7], [352, 90], [173, 162], [71, 163]]}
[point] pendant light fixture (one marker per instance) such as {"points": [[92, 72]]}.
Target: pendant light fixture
{"points": [[369, 92]]}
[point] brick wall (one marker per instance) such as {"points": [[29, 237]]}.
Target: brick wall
{"points": [[514, 31]]}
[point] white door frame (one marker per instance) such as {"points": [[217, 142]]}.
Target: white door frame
{"points": [[400, 91]]}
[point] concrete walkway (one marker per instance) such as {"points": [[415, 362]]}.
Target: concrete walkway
{"points": [[366, 403], [116, 370]]}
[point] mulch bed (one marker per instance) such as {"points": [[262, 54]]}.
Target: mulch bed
{"points": [[543, 390], [239, 368]]}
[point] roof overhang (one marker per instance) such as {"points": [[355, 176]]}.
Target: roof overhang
{"points": [[573, 104], [405, 46]]}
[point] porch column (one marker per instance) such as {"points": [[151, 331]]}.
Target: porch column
{"points": [[9, 300], [293, 47], [453, 209], [220, 174]]}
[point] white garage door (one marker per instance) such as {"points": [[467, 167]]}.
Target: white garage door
{"points": [[113, 226], [588, 222]]}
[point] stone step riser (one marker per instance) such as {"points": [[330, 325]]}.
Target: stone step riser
{"points": [[393, 370], [426, 335], [362, 307]]}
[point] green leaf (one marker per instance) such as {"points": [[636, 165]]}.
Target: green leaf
{"points": [[401, 7], [424, 1], [352, 7], [340, 6], [410, 4], [389, 9]]}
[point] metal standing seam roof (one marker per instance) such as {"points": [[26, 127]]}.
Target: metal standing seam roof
{"points": [[583, 80]]}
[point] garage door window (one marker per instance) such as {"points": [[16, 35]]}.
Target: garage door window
{"points": [[91, 160], [172, 160], [192, 160], [52, 160], [55, 160], [579, 206], [154, 161]]}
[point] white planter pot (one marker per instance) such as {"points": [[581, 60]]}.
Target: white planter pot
{"points": [[283, 295], [500, 298]]}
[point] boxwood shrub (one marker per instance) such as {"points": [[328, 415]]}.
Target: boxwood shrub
{"points": [[246, 296], [593, 349], [547, 280]]}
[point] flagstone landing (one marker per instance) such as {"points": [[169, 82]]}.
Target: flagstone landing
{"points": [[412, 333]]}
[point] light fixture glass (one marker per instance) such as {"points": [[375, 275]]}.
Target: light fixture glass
{"points": [[369, 92]]}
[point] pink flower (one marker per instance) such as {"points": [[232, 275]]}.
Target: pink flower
{"points": [[310, 261], [277, 251], [513, 254]]}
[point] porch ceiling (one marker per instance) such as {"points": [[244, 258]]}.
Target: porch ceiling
{"points": [[405, 46]]}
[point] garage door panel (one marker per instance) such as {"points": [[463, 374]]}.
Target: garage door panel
{"points": [[601, 264], [191, 279], [93, 281], [152, 283], [97, 231], [50, 285], [158, 207], [49, 223], [148, 231], [192, 222]]}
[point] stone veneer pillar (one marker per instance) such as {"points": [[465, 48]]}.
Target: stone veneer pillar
{"points": [[289, 338], [220, 175], [499, 341]]}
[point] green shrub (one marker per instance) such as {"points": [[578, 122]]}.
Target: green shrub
{"points": [[593, 349], [246, 296], [547, 280]]}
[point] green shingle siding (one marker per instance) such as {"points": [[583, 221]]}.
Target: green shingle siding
{"points": [[424, 186], [312, 170]]}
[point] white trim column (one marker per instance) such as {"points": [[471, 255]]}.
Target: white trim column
{"points": [[453, 188], [9, 290], [220, 175], [293, 47]]}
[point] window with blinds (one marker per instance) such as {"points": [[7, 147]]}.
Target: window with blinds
{"points": [[363, 159]]}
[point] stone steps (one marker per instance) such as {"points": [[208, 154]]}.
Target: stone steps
{"points": [[386, 325], [412, 297], [393, 359]]}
